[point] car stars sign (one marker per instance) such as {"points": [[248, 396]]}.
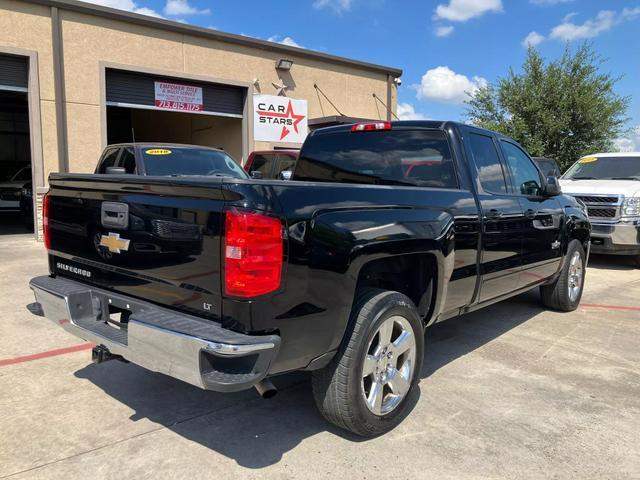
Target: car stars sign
{"points": [[279, 119]]}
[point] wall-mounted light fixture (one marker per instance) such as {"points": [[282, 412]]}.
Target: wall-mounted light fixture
{"points": [[284, 64]]}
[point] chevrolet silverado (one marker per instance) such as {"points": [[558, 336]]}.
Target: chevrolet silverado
{"points": [[223, 282]]}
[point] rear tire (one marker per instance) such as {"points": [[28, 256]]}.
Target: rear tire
{"points": [[367, 387], [565, 292]]}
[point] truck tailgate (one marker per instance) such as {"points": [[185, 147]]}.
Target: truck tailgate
{"points": [[154, 238]]}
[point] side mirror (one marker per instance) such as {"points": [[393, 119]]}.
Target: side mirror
{"points": [[552, 187], [116, 171], [256, 175], [285, 175]]}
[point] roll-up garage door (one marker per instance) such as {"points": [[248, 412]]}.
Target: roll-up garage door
{"points": [[136, 90], [14, 73]]}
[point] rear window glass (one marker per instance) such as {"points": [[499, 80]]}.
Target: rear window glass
{"points": [[177, 161], [262, 164], [390, 157], [548, 167]]}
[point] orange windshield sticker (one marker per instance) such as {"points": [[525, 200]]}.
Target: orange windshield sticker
{"points": [[158, 151]]}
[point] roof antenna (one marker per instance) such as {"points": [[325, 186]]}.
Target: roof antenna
{"points": [[133, 134]]}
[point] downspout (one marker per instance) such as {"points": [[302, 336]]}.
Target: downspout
{"points": [[58, 81], [389, 80]]}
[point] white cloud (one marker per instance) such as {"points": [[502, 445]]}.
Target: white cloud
{"points": [[183, 7], [147, 11], [443, 31], [604, 21], [630, 143], [533, 39], [463, 10], [568, 31], [338, 6], [128, 5], [406, 111], [630, 13], [284, 41], [441, 84]]}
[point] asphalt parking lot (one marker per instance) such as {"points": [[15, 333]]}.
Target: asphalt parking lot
{"points": [[512, 391]]}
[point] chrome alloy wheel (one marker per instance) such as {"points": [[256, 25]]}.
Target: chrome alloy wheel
{"points": [[388, 366], [576, 271]]}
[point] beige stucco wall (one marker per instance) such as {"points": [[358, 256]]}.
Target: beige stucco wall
{"points": [[90, 42], [27, 26]]}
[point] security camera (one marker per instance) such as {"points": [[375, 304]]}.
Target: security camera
{"points": [[397, 81]]}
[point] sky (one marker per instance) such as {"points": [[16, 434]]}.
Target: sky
{"points": [[446, 48]]}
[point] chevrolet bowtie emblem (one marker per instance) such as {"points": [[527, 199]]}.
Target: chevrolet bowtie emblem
{"points": [[114, 243]]}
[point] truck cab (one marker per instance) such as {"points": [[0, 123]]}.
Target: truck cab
{"points": [[609, 185]]}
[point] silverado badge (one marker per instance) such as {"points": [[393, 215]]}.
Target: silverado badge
{"points": [[114, 243]]}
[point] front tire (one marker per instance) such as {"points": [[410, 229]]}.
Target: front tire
{"points": [[565, 292], [367, 387]]}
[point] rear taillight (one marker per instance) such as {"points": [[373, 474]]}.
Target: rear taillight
{"points": [[370, 127], [46, 233], [252, 254]]}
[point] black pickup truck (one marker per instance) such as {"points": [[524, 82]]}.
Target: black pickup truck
{"points": [[386, 229]]}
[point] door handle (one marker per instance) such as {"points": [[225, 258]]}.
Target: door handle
{"points": [[493, 214], [530, 213]]}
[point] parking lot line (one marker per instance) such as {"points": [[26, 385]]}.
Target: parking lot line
{"points": [[50, 353], [610, 307]]}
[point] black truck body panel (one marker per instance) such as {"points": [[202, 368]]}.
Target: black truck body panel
{"points": [[333, 233]]}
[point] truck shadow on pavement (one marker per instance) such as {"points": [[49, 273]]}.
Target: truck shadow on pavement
{"points": [[256, 433], [611, 262]]}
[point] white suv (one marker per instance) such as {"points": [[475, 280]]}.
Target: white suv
{"points": [[609, 185]]}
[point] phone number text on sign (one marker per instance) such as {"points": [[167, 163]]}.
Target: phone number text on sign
{"points": [[173, 96]]}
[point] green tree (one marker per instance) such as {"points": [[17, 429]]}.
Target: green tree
{"points": [[562, 109]]}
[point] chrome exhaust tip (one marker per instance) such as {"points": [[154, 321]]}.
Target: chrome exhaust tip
{"points": [[266, 389]]}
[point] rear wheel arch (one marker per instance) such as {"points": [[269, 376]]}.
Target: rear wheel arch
{"points": [[414, 275]]}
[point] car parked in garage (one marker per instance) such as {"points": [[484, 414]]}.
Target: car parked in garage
{"points": [[609, 185], [387, 229], [11, 189], [271, 164]]}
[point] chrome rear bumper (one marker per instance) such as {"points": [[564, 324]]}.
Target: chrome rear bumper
{"points": [[195, 350]]}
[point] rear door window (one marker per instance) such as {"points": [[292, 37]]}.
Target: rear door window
{"points": [[108, 159], [388, 157], [488, 165]]}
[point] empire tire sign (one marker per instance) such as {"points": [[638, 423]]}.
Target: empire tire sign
{"points": [[174, 96], [279, 119]]}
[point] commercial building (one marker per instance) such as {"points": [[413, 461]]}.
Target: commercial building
{"points": [[75, 77]]}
